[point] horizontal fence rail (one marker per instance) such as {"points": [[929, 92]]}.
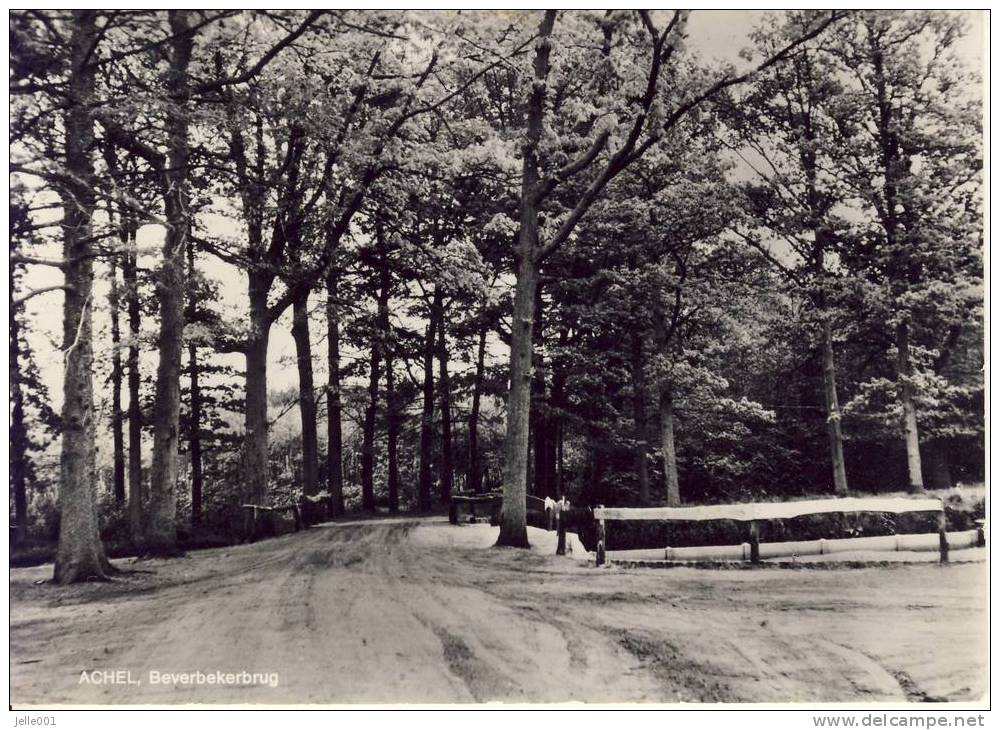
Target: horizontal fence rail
{"points": [[802, 548], [770, 510]]}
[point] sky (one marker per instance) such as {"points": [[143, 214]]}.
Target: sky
{"points": [[716, 35]]}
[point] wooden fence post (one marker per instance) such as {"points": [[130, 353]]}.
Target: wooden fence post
{"points": [[943, 536], [560, 533], [601, 539], [754, 542]]}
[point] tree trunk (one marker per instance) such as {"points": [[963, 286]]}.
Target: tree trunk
{"points": [[391, 406], [667, 443], [559, 459], [307, 397], [18, 430], [833, 412], [552, 426], [639, 397], [444, 393], [131, 283], [117, 421], [513, 524], [368, 437], [893, 170], [475, 477], [161, 529], [427, 416], [194, 435], [910, 432], [335, 448], [554, 445], [538, 421], [80, 554], [937, 463], [255, 456]]}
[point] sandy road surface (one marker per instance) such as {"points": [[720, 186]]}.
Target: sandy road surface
{"points": [[420, 611]]}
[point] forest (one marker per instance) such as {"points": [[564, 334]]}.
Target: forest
{"points": [[366, 260]]}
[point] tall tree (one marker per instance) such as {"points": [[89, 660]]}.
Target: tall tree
{"points": [[538, 420], [18, 425], [368, 433], [641, 123], [31, 415], [195, 396], [160, 534], [80, 555], [788, 122], [266, 261], [427, 414], [117, 372], [640, 406], [446, 467], [334, 440], [320, 172], [474, 477], [307, 396], [131, 283], [125, 215], [386, 344], [913, 133]]}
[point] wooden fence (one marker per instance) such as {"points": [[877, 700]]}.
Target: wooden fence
{"points": [[491, 500], [253, 512], [756, 512]]}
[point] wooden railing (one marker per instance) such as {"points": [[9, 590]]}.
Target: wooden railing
{"points": [[534, 502], [756, 512], [251, 512], [493, 500]]}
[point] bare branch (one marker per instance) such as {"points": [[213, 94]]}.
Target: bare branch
{"points": [[19, 259], [130, 142], [579, 165], [79, 329], [630, 151], [210, 86], [729, 81], [35, 292], [786, 271]]}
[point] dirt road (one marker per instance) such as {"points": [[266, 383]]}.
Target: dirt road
{"points": [[420, 611]]}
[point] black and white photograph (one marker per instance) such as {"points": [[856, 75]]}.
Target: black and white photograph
{"points": [[498, 359]]}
